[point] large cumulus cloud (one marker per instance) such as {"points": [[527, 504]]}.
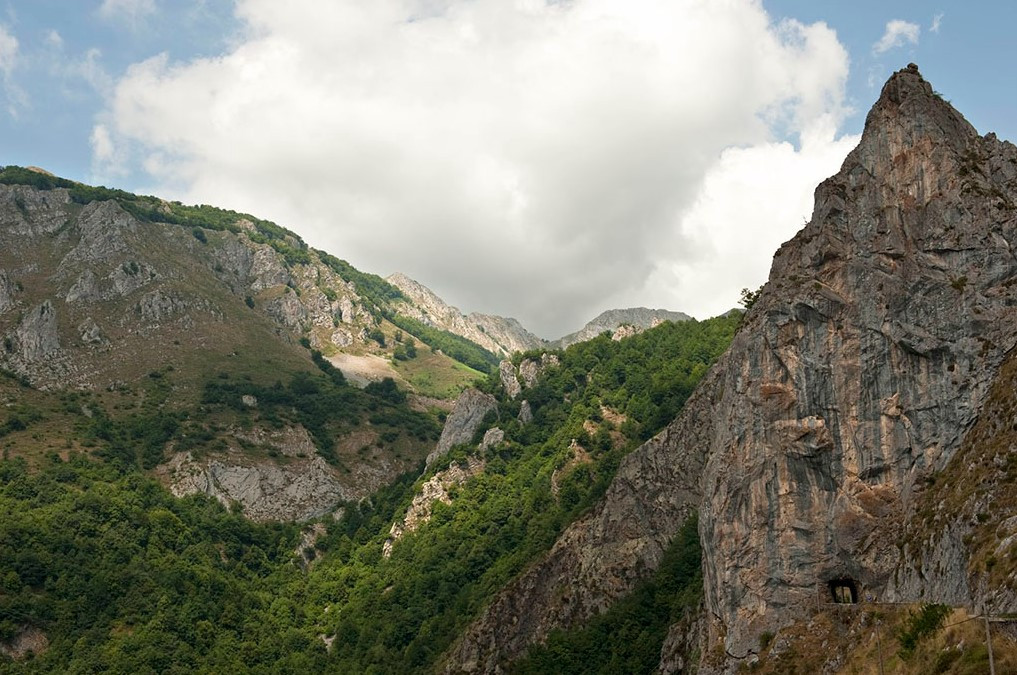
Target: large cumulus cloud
{"points": [[544, 160]]}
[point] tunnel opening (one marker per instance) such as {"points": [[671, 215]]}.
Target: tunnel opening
{"points": [[843, 591]]}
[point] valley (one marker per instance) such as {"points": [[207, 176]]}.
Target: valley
{"points": [[224, 450]]}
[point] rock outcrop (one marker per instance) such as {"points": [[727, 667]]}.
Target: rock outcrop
{"points": [[434, 489], [855, 376], [529, 370], [301, 489], [469, 412]]}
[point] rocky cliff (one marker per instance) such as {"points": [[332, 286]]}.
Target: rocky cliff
{"points": [[498, 335], [628, 321], [853, 380]]}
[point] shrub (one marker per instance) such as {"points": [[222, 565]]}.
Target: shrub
{"points": [[926, 621]]}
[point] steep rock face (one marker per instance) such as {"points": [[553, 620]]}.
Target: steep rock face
{"points": [[496, 334], [861, 366], [469, 412], [960, 539], [857, 373], [8, 291], [629, 321]]}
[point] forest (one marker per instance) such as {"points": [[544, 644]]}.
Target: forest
{"points": [[121, 576]]}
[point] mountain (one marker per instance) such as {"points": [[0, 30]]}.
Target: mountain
{"points": [[499, 335], [176, 323], [628, 320], [506, 336], [818, 484], [811, 449]]}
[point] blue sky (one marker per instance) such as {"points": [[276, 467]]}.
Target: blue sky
{"points": [[544, 161], [965, 57]]}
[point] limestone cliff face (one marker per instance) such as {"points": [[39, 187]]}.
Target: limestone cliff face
{"points": [[497, 334], [856, 375], [862, 365]]}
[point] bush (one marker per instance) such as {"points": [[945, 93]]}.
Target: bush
{"points": [[926, 621]]}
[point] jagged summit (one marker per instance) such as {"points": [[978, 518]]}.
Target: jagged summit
{"points": [[909, 98]]}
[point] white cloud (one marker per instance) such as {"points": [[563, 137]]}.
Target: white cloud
{"points": [[54, 39], [88, 68], [14, 96], [937, 22], [533, 159], [751, 202], [131, 12], [102, 145], [8, 50], [897, 34]]}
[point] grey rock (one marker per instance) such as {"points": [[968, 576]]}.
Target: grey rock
{"points": [[299, 490], [860, 368], [289, 311], [37, 336], [492, 437], [104, 230], [90, 333], [158, 306], [498, 335], [29, 212], [509, 381], [525, 412], [469, 412], [8, 291], [267, 268], [530, 370], [129, 277], [84, 289]]}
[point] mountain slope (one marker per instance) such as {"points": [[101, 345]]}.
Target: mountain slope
{"points": [[183, 319], [499, 335], [867, 356]]}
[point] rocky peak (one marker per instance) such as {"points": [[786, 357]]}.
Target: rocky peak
{"points": [[853, 379]]}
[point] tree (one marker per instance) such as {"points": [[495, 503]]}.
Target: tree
{"points": [[748, 298]]}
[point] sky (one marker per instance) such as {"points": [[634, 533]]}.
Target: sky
{"points": [[540, 159]]}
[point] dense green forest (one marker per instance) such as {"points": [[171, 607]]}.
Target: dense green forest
{"points": [[122, 577]]}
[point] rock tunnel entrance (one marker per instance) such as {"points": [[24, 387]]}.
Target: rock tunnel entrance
{"points": [[844, 590]]}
